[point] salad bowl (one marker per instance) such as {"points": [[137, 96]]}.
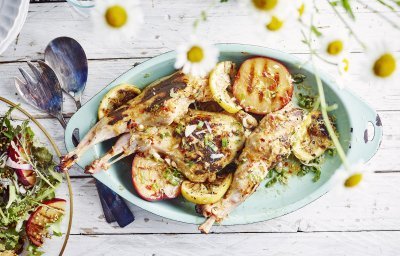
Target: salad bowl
{"points": [[353, 116], [55, 244]]}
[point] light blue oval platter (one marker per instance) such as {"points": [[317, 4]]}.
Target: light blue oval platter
{"points": [[352, 116]]}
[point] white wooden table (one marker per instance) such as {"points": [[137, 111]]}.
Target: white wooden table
{"points": [[366, 222]]}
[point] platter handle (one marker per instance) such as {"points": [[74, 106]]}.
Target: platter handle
{"points": [[367, 128]]}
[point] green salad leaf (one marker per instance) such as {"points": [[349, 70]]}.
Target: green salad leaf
{"points": [[18, 201]]}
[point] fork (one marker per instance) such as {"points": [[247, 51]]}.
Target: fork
{"points": [[43, 91]]}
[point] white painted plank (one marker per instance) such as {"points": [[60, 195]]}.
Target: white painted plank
{"points": [[310, 244], [373, 207], [168, 23]]}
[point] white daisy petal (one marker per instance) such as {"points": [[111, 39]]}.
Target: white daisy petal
{"points": [[305, 10], [260, 9], [125, 19], [348, 180], [196, 57], [381, 65], [344, 69], [333, 45]]}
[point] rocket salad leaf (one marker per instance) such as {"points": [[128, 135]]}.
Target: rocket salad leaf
{"points": [[17, 200]]}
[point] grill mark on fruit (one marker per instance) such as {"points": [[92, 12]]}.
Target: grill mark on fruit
{"points": [[251, 79], [273, 86], [127, 96], [260, 96], [265, 69], [161, 91], [117, 115]]}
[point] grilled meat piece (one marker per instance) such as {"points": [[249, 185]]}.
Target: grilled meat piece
{"points": [[199, 145], [267, 145], [161, 103]]}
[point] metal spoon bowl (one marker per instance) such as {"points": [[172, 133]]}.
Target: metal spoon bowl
{"points": [[68, 60]]}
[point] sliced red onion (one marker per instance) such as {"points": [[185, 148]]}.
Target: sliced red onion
{"points": [[12, 164], [15, 148]]}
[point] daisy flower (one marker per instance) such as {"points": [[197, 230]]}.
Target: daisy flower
{"points": [[273, 16], [304, 10], [333, 45], [381, 64], [356, 177], [117, 18], [196, 57], [262, 8], [344, 69]]}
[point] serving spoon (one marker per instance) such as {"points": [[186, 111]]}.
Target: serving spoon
{"points": [[68, 59]]}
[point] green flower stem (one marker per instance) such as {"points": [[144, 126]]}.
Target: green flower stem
{"points": [[324, 111], [382, 2], [347, 25], [389, 21]]}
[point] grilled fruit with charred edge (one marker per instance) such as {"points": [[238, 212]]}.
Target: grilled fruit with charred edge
{"points": [[153, 179], [219, 82], [263, 85], [115, 98], [312, 139], [50, 212], [207, 192]]}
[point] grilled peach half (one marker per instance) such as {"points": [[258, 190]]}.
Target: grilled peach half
{"points": [[154, 180], [263, 85], [50, 212]]}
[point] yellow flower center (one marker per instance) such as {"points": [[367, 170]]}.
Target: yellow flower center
{"points": [[353, 180], [116, 16], [265, 5], [335, 47], [346, 64], [385, 65], [275, 24], [301, 9], [195, 54]]}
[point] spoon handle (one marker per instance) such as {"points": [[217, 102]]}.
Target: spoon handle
{"points": [[62, 121], [78, 103]]}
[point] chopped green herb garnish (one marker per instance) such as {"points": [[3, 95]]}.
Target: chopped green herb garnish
{"points": [[180, 129], [304, 169], [271, 182], [189, 163], [224, 142], [200, 125], [173, 176], [298, 78], [305, 101], [331, 151]]}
